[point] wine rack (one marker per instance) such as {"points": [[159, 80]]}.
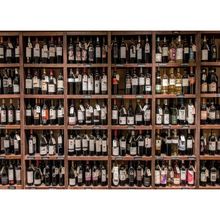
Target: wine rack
{"points": [[151, 66]]}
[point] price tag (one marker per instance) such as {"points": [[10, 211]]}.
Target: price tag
{"points": [[2, 157], [166, 126], [139, 96], [119, 96], [60, 157], [180, 96], [140, 65], [137, 157], [131, 127], [38, 109], [87, 96], [90, 109], [31, 157], [96, 127], [87, 65], [118, 158], [119, 65], [98, 107], [184, 64], [185, 126]]}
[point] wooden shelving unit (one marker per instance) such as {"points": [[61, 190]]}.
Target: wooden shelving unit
{"points": [[109, 127]]}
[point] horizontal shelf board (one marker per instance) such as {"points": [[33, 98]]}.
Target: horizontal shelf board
{"points": [[87, 158], [209, 157], [9, 33], [88, 127], [43, 65], [209, 187], [10, 96], [11, 186], [128, 157], [131, 96], [131, 32], [173, 96], [217, 63], [81, 33], [47, 96], [10, 157], [175, 187], [131, 187], [43, 33], [87, 65], [10, 126], [175, 126], [87, 96], [175, 64], [132, 65], [210, 95], [9, 65], [44, 187], [39, 127], [88, 187], [193, 157], [175, 32], [210, 126], [131, 127], [39, 157]]}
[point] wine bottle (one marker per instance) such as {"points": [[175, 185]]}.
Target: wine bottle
{"points": [[36, 51], [52, 50], [71, 56], [59, 51]]}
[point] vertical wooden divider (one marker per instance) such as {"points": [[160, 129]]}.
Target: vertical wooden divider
{"points": [[109, 110], [153, 107], [65, 109]]}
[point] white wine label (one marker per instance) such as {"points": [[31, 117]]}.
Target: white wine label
{"points": [[28, 84], [205, 54], [179, 53], [59, 51]]}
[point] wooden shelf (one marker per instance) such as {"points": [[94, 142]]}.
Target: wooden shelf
{"points": [[132, 65], [175, 126], [88, 127], [88, 187], [9, 65], [85, 158], [130, 187], [209, 187], [10, 157], [131, 96], [128, 157], [40, 96], [131, 127], [173, 96], [39, 157], [175, 187], [210, 157], [11, 186], [84, 33], [193, 157], [43, 127], [10, 127], [210, 95], [131, 33], [42, 33], [210, 64], [87, 65], [87, 96], [175, 65], [209, 126], [44, 187], [10, 96], [43, 65]]}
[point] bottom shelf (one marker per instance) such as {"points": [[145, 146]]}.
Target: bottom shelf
{"points": [[130, 187], [44, 187], [88, 187], [175, 187], [209, 187], [11, 186]]}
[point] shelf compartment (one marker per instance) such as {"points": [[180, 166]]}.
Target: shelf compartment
{"points": [[131, 187], [131, 127], [128, 157], [44, 187], [42, 33], [192, 157], [87, 187], [43, 65], [85, 158], [175, 126], [88, 127], [43, 127], [10, 157], [84, 33], [173, 96], [11, 186], [39, 157], [87, 65], [87, 96], [43, 96], [131, 96]]}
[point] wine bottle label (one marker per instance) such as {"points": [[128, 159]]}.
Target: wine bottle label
{"points": [[115, 151], [59, 51], [123, 52], [158, 57], [16, 88], [176, 181], [70, 54], [28, 112], [88, 176], [182, 114], [165, 51], [30, 147], [134, 81], [203, 177], [189, 143], [133, 150], [218, 145], [212, 145], [10, 116], [60, 140], [36, 51], [30, 177], [204, 54], [72, 181], [5, 83], [138, 118], [122, 175], [141, 81], [91, 54], [183, 175], [115, 114], [98, 52], [158, 144], [212, 87], [36, 82], [130, 120], [84, 54], [179, 53], [71, 145], [122, 145], [3, 116], [166, 119], [172, 82], [97, 86], [37, 181], [6, 143], [163, 177], [122, 120], [78, 54], [16, 144], [45, 114], [104, 145], [60, 84], [98, 145], [204, 115], [80, 115], [185, 82], [44, 52], [60, 113], [148, 142], [51, 88], [43, 150], [1, 52], [18, 175], [91, 145], [211, 115], [213, 177], [51, 52], [157, 177], [78, 144], [147, 115], [158, 88], [104, 83], [28, 84], [90, 84], [139, 54], [190, 177], [158, 119], [52, 149], [103, 113], [140, 143], [52, 114], [85, 144], [103, 175], [28, 52], [186, 50], [88, 113]]}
